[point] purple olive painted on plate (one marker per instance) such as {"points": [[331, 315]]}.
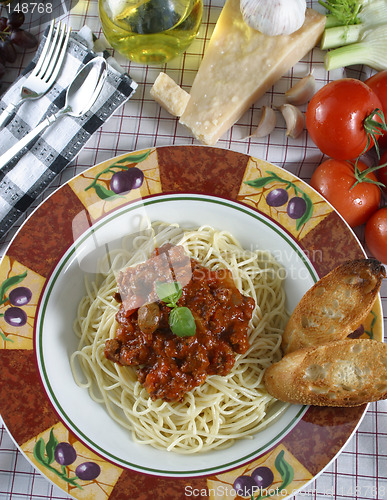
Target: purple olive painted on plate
{"points": [[120, 182], [137, 176], [87, 471], [296, 207], [244, 486], [15, 316], [277, 197], [20, 296], [126, 180], [65, 454], [263, 477]]}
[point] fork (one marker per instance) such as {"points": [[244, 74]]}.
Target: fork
{"points": [[46, 70]]}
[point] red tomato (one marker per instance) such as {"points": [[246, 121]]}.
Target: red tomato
{"points": [[382, 173], [335, 118], [334, 180], [378, 84], [376, 235]]}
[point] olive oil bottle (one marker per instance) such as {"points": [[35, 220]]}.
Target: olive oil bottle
{"points": [[150, 31]]}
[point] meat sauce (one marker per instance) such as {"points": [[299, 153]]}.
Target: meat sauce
{"points": [[169, 366]]}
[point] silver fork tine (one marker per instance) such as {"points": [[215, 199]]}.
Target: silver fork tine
{"points": [[42, 56], [60, 52], [48, 57], [44, 74]]}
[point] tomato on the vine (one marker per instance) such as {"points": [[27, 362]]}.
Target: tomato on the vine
{"points": [[342, 118], [376, 235], [355, 201], [381, 174], [378, 84]]}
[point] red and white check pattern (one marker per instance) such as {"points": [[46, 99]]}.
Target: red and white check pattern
{"points": [[360, 471]]}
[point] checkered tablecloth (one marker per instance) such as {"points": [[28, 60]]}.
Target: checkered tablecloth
{"points": [[360, 471]]}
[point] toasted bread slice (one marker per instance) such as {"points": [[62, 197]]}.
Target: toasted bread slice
{"points": [[347, 372], [335, 306]]}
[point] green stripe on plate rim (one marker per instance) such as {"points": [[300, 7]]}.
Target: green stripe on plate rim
{"points": [[66, 419]]}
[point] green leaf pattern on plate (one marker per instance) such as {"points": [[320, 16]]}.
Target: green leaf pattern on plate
{"points": [[273, 177], [8, 283], [120, 165], [370, 332], [44, 454], [286, 472]]}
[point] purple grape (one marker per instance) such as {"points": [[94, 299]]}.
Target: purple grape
{"points": [[87, 471], [263, 477], [277, 197], [8, 51], [245, 486], [15, 19], [296, 207], [23, 39], [125, 180], [15, 316], [65, 454], [3, 23], [20, 296]]}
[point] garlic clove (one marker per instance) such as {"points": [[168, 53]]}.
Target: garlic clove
{"points": [[274, 17], [266, 124], [294, 120], [302, 91]]}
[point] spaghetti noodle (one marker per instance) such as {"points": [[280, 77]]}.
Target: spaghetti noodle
{"points": [[222, 409]]}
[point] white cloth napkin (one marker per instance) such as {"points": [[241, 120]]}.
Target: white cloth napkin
{"points": [[24, 178]]}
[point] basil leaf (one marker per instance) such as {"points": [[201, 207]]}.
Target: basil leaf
{"points": [[182, 322], [169, 293]]}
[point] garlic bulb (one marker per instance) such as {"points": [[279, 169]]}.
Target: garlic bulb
{"points": [[274, 17]]}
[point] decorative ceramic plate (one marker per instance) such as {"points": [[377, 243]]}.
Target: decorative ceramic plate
{"points": [[41, 283]]}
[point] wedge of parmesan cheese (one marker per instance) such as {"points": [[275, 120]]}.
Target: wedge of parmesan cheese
{"points": [[169, 95], [239, 66]]}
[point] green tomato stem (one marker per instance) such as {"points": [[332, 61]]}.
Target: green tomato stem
{"points": [[362, 176], [373, 128]]}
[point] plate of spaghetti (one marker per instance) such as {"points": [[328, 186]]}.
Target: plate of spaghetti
{"points": [[142, 303]]}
